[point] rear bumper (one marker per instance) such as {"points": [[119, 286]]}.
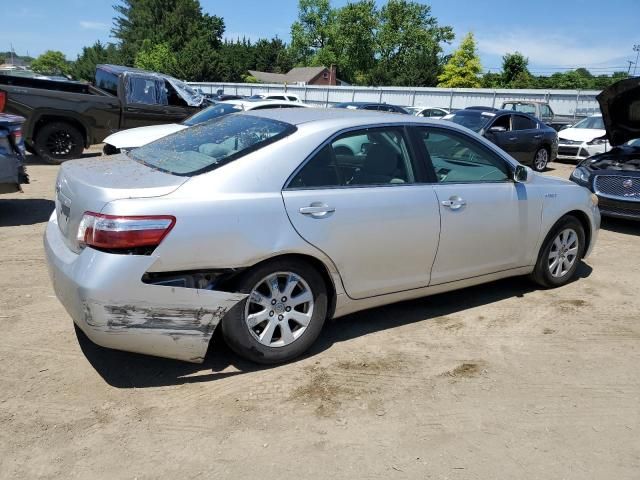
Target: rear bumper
{"points": [[105, 296]]}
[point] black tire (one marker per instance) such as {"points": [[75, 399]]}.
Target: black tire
{"points": [[542, 274], [58, 141], [541, 165], [237, 334], [110, 149]]}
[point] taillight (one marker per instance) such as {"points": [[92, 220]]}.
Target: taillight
{"points": [[17, 135], [3, 101], [113, 232]]}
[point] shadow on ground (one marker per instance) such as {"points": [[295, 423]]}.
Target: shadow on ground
{"points": [[620, 225], [24, 211], [128, 370]]}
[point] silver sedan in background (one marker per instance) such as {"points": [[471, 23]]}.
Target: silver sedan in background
{"points": [[270, 222]]}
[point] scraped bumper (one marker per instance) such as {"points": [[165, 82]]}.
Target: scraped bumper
{"points": [[105, 296]]}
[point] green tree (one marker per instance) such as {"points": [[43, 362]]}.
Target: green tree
{"points": [[515, 67], [355, 31], [157, 58], [312, 34], [463, 68], [409, 44], [84, 67], [51, 62]]}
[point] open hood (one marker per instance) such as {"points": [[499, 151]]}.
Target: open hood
{"points": [[620, 105]]}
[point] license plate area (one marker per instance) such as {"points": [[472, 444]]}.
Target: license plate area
{"points": [[63, 211]]}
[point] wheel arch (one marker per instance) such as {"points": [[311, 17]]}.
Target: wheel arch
{"points": [[44, 118], [583, 218]]}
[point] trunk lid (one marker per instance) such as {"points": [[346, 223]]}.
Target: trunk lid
{"points": [[620, 105], [88, 185]]}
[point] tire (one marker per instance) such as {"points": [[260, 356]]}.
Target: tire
{"points": [[110, 149], [560, 239], [540, 159], [58, 141], [273, 322]]}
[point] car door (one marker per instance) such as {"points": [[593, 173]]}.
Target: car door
{"points": [[528, 136], [145, 102], [500, 132], [379, 223], [487, 219]]}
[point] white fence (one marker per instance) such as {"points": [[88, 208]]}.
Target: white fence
{"points": [[576, 103]]}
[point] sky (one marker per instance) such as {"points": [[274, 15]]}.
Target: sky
{"points": [[556, 35]]}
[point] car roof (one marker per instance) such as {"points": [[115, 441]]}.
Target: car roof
{"points": [[258, 102]]}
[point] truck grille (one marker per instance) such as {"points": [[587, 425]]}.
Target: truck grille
{"points": [[618, 187]]}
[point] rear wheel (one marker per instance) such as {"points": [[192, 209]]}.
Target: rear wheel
{"points": [[560, 253], [541, 159], [58, 141], [283, 314]]}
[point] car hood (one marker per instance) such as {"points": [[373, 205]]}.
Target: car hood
{"points": [[580, 134], [137, 137], [620, 105]]}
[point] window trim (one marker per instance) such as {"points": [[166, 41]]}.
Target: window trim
{"points": [[431, 169], [420, 173]]}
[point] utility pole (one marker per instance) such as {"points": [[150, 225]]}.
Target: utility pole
{"points": [[11, 45], [630, 62], [636, 48]]}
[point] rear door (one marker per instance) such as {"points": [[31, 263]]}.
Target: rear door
{"points": [[368, 210], [486, 218]]}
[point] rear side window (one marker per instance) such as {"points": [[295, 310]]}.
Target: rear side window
{"points": [[212, 144], [523, 123]]}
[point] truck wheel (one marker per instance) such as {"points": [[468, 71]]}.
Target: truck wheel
{"points": [[58, 141]]}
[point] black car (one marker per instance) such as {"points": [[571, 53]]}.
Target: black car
{"points": [[380, 107], [522, 136], [614, 176], [12, 170]]}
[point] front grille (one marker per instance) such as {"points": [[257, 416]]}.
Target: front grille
{"points": [[568, 151], [618, 187], [570, 142]]}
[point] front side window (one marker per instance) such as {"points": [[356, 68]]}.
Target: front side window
{"points": [[459, 159], [210, 145], [377, 156], [545, 111]]}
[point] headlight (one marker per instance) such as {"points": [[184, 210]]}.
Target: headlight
{"points": [[598, 141], [581, 174], [594, 199]]}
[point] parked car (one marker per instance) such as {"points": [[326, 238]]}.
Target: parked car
{"points": [[285, 97], [380, 107], [12, 170], [432, 112], [65, 117], [256, 222], [585, 138], [528, 140], [541, 110], [137, 137], [614, 175]]}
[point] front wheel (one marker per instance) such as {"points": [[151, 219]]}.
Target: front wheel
{"points": [[283, 314], [541, 159], [560, 253]]}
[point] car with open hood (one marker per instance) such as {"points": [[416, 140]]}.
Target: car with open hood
{"points": [[269, 222], [614, 175]]}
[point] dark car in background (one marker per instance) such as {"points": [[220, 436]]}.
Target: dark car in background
{"points": [[380, 107], [614, 176], [522, 136], [12, 169]]}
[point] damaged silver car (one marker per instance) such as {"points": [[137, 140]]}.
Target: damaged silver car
{"points": [[267, 223]]}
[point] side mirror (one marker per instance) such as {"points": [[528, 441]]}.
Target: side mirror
{"points": [[521, 174], [497, 129]]}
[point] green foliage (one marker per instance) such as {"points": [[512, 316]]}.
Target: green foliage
{"points": [[463, 68], [157, 58], [355, 31], [84, 68], [51, 62], [515, 70], [249, 79], [313, 32]]}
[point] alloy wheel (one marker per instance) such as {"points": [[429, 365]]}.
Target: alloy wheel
{"points": [[541, 160], [279, 309], [563, 253], [60, 143]]}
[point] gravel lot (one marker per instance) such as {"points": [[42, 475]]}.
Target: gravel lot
{"points": [[496, 381]]}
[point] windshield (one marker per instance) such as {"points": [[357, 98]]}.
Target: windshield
{"points": [[472, 119], [212, 144], [590, 122], [212, 112]]}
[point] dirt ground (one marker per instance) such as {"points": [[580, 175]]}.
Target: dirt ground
{"points": [[500, 381]]}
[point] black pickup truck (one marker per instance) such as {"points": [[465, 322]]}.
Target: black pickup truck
{"points": [[62, 118]]}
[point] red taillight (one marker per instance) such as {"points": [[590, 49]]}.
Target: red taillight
{"points": [[115, 232], [3, 101], [17, 135]]}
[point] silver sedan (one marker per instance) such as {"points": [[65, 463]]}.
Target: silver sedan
{"points": [[268, 223]]}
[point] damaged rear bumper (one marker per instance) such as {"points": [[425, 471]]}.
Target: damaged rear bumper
{"points": [[106, 298]]}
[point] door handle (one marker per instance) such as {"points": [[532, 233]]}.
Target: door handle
{"points": [[537, 137], [454, 203], [317, 210], [513, 139]]}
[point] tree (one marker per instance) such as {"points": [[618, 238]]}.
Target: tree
{"points": [[157, 58], [84, 67], [313, 32], [356, 26], [51, 62], [514, 67], [463, 68]]}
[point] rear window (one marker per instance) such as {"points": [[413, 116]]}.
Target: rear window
{"points": [[212, 144]]}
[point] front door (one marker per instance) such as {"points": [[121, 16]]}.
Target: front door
{"points": [[486, 218], [501, 133], [359, 199]]}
